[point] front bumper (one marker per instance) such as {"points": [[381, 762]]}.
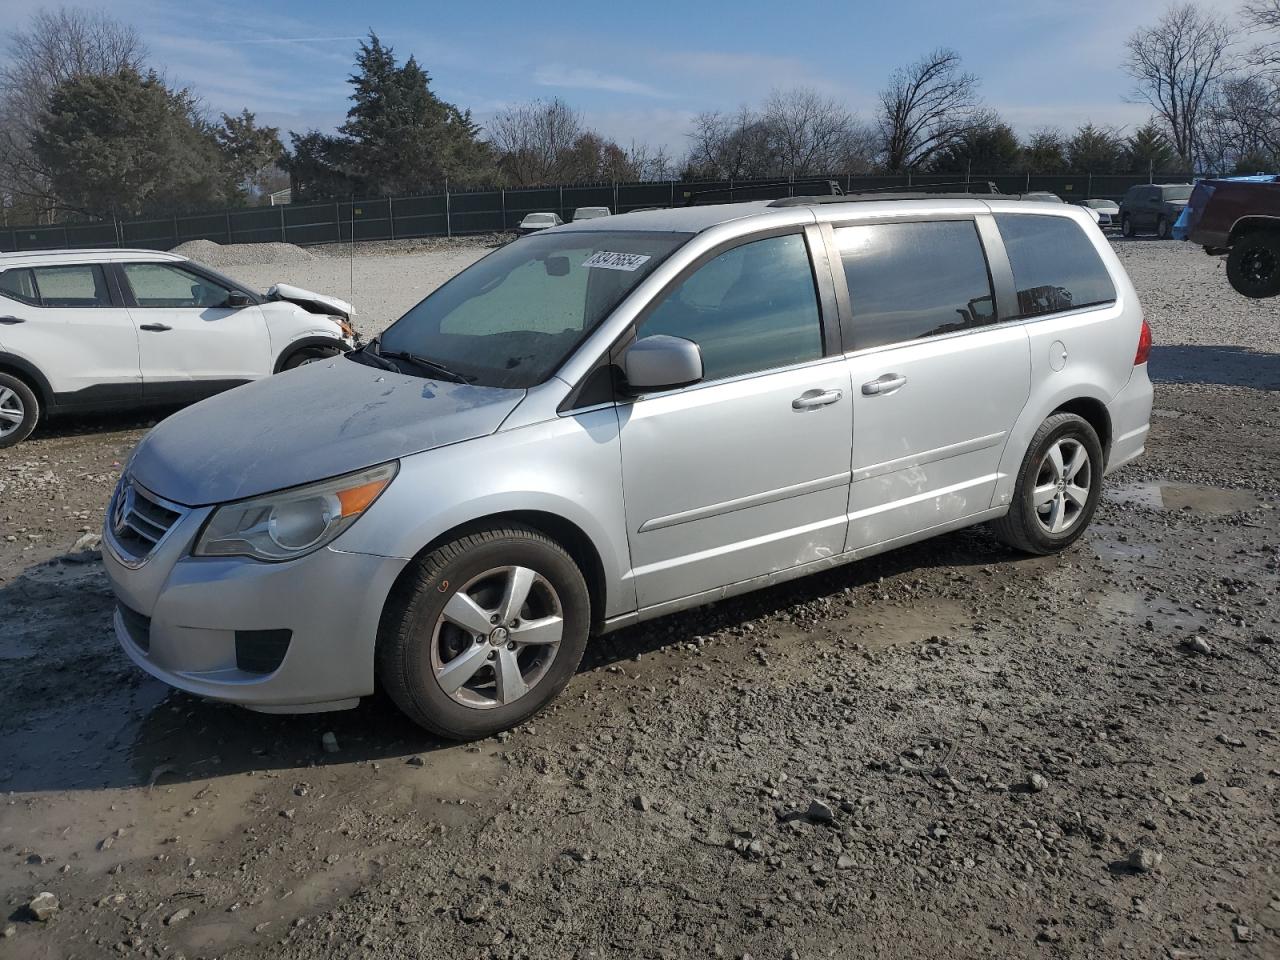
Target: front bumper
{"points": [[185, 621]]}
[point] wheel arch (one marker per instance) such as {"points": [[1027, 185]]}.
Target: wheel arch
{"points": [[1095, 412], [30, 374], [1252, 224], [563, 531], [303, 343]]}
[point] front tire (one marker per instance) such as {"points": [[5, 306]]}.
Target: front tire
{"points": [[1162, 228], [1253, 265], [484, 632], [19, 410], [1057, 490], [306, 355]]}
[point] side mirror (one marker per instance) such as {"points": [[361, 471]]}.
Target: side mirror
{"points": [[661, 363], [237, 299]]}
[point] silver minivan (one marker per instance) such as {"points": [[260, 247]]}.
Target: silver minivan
{"points": [[616, 419]]}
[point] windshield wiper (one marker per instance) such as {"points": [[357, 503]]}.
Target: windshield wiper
{"points": [[369, 354], [426, 364]]}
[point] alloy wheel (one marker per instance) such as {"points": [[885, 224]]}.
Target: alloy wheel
{"points": [[497, 637], [1062, 485], [1257, 266], [12, 411]]}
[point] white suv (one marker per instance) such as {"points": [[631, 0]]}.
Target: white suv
{"points": [[88, 330]]}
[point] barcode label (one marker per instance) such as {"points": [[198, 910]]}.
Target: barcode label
{"points": [[607, 260]]}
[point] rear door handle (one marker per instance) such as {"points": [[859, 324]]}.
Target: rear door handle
{"points": [[882, 385], [816, 398], [155, 327], [10, 321]]}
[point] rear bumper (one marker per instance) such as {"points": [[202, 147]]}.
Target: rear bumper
{"points": [[1130, 412]]}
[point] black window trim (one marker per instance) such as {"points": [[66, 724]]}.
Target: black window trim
{"points": [[999, 275]]}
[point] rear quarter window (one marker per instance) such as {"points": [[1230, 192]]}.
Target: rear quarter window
{"points": [[1055, 266]]}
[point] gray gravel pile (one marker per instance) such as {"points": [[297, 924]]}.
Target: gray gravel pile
{"points": [[220, 255]]}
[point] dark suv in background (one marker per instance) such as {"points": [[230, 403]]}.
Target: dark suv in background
{"points": [[1152, 208], [1238, 216]]}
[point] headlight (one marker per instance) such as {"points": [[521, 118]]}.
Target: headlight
{"points": [[292, 523]]}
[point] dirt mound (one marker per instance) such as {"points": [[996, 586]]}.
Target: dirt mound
{"points": [[220, 255]]}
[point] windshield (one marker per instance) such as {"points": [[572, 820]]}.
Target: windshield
{"points": [[512, 318], [1177, 193]]}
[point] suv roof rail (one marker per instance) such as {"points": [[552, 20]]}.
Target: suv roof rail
{"points": [[693, 197], [970, 191]]}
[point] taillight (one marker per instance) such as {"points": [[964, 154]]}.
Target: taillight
{"points": [[1144, 345]]}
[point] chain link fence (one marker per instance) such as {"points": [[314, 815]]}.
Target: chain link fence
{"points": [[458, 213]]}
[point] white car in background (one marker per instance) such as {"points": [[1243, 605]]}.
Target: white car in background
{"points": [[88, 330], [590, 213], [534, 222], [1107, 211]]}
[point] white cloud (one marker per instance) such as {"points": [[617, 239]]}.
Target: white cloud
{"points": [[582, 78]]}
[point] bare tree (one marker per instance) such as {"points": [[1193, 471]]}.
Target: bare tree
{"points": [[810, 134], [926, 107], [730, 146], [535, 141], [1176, 65], [57, 45], [1263, 16]]}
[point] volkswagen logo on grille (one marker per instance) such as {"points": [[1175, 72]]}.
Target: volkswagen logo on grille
{"points": [[123, 506]]}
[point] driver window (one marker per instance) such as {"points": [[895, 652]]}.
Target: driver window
{"points": [[752, 308], [161, 285]]}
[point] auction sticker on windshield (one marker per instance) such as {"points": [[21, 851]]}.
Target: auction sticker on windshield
{"points": [[608, 260]]}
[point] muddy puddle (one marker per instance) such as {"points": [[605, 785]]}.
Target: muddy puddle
{"points": [[1171, 497]]}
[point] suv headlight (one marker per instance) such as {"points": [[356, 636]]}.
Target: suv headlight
{"points": [[292, 523]]}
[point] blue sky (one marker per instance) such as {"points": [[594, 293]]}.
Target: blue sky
{"points": [[642, 70]]}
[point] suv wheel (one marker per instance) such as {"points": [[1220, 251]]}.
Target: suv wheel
{"points": [[1057, 490], [300, 358], [484, 632], [1253, 265], [1126, 226], [19, 410], [1162, 228]]}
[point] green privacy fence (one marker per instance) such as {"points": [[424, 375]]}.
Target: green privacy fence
{"points": [[457, 213]]}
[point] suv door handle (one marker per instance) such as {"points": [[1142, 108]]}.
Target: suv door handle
{"points": [[155, 327], [9, 321], [882, 385], [811, 399]]}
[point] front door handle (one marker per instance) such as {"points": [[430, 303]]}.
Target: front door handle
{"points": [[811, 399], [882, 385], [155, 327], [10, 321]]}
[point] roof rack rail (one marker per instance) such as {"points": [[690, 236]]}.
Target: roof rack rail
{"points": [[716, 194], [971, 191]]}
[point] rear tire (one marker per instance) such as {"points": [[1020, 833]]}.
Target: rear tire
{"points": [[1253, 265], [19, 410], [484, 632], [1162, 228], [1057, 490], [1126, 226]]}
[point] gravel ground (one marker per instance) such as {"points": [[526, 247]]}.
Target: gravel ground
{"points": [[948, 748]]}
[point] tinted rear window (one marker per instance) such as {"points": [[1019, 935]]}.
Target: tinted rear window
{"points": [[1055, 266], [913, 280]]}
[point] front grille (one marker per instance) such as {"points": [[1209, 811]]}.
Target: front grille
{"points": [[139, 520], [137, 625]]}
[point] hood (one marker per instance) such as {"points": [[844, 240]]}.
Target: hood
{"points": [[310, 301], [320, 420]]}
